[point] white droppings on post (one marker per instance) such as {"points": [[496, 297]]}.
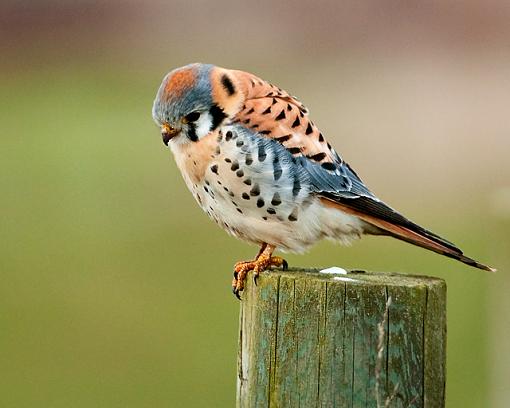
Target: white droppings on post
{"points": [[334, 270]]}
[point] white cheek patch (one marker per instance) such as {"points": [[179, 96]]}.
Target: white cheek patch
{"points": [[203, 125]]}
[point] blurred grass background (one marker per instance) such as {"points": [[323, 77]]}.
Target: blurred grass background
{"points": [[115, 286]]}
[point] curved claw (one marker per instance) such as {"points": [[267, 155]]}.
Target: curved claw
{"points": [[235, 291], [264, 261]]}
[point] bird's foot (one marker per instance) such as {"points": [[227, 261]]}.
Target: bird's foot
{"points": [[258, 265]]}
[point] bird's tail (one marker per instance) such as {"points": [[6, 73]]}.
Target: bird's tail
{"points": [[432, 242], [401, 228]]}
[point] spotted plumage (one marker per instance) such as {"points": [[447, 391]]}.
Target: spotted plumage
{"points": [[262, 170]]}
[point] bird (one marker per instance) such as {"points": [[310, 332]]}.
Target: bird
{"points": [[262, 170]]}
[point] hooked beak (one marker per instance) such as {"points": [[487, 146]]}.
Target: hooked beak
{"points": [[168, 132]]}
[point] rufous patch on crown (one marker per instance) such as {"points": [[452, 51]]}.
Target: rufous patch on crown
{"points": [[179, 82]]}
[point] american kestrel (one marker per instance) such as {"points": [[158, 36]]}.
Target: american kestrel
{"points": [[261, 169]]}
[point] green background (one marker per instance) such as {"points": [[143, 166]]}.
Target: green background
{"points": [[115, 287]]}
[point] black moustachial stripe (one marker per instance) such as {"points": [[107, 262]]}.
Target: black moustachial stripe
{"points": [[228, 85], [192, 132], [217, 115]]}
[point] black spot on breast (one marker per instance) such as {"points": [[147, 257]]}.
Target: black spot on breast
{"points": [[282, 139], [246, 121], [207, 182], [317, 157], [233, 202], [281, 115], [226, 189], [240, 173], [277, 169], [239, 210], [296, 122], [228, 85], [228, 136], [247, 182], [309, 129], [239, 142], [248, 159], [217, 151], [260, 203], [265, 132], [296, 187], [276, 199], [293, 215], [321, 138], [262, 152], [289, 107], [294, 150], [268, 110], [235, 165], [217, 115], [245, 196], [328, 166], [214, 168], [250, 111], [264, 218], [255, 190], [255, 126], [274, 101], [228, 160], [271, 210]]}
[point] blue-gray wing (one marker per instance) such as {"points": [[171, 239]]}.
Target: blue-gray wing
{"points": [[339, 183], [337, 179]]}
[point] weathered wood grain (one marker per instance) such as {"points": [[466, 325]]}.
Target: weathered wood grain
{"points": [[309, 339]]}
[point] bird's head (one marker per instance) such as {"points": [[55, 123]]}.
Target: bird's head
{"points": [[194, 100]]}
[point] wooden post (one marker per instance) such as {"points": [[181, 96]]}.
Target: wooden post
{"points": [[311, 339]]}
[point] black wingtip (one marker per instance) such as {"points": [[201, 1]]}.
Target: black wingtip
{"points": [[475, 264]]}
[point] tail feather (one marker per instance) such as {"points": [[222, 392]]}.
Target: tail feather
{"points": [[411, 233]]}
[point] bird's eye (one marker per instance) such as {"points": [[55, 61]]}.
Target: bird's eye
{"points": [[191, 117]]}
